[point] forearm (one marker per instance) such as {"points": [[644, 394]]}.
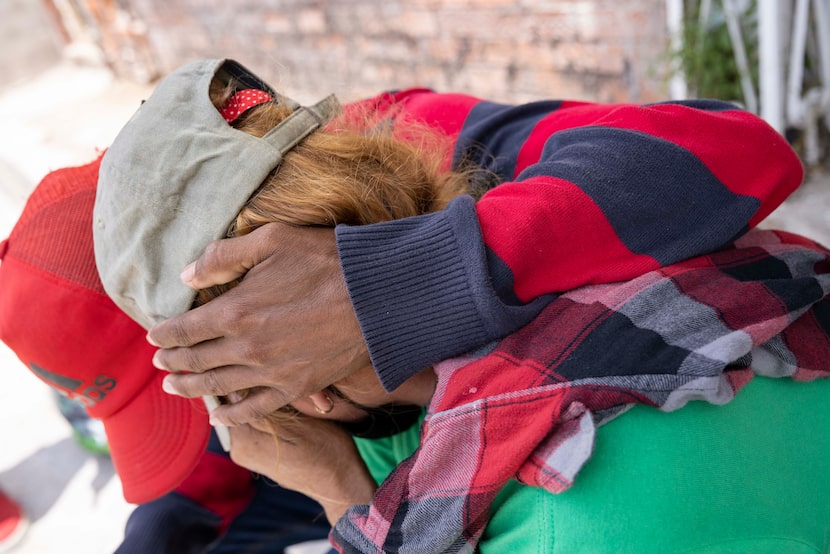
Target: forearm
{"points": [[422, 290], [593, 194], [636, 189]]}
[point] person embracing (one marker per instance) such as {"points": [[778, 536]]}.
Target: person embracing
{"points": [[598, 260]]}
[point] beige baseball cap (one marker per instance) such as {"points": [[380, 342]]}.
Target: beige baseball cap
{"points": [[175, 179]]}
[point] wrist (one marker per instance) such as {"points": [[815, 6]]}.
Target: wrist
{"points": [[409, 319], [350, 490]]}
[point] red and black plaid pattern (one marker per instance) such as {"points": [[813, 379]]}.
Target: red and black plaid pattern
{"points": [[528, 407]]}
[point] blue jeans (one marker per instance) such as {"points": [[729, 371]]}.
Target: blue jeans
{"points": [[274, 519]]}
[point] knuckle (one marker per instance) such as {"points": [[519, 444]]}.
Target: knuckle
{"points": [[213, 383], [233, 316], [271, 232], [249, 410], [212, 251], [179, 332], [190, 359], [252, 353], [275, 399]]}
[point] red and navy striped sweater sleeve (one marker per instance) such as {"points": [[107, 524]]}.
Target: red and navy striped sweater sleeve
{"points": [[588, 193]]}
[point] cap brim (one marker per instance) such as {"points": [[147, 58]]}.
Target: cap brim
{"points": [[156, 441]]}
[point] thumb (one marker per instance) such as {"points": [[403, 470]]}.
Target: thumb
{"points": [[228, 259]]}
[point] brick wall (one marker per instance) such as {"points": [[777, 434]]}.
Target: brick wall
{"points": [[27, 45], [508, 50]]}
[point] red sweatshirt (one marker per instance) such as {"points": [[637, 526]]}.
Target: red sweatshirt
{"points": [[586, 193]]}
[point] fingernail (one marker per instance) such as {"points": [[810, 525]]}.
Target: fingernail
{"points": [[167, 387], [214, 421], [157, 361], [187, 274], [151, 341]]}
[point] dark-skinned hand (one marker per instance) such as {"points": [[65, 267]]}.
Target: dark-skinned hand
{"points": [[311, 456], [288, 327]]}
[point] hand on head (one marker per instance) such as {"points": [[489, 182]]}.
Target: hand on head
{"points": [[288, 328]]}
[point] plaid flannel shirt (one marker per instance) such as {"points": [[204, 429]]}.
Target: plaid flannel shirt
{"points": [[528, 407]]}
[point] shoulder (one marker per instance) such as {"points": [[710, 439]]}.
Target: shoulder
{"points": [[657, 479]]}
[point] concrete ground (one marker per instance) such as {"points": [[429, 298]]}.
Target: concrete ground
{"points": [[61, 117]]}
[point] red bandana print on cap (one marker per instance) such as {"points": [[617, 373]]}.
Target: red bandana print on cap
{"points": [[243, 101]]}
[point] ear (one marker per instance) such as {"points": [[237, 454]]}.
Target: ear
{"points": [[322, 402]]}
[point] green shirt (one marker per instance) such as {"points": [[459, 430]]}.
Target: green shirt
{"points": [[752, 476]]}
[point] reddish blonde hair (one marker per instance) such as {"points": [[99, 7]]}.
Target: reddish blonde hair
{"points": [[355, 171]]}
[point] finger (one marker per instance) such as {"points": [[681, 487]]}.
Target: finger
{"points": [[192, 327], [226, 314], [217, 382], [228, 259], [257, 405], [201, 357]]}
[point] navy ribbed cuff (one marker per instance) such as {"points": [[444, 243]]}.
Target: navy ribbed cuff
{"points": [[413, 286]]}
